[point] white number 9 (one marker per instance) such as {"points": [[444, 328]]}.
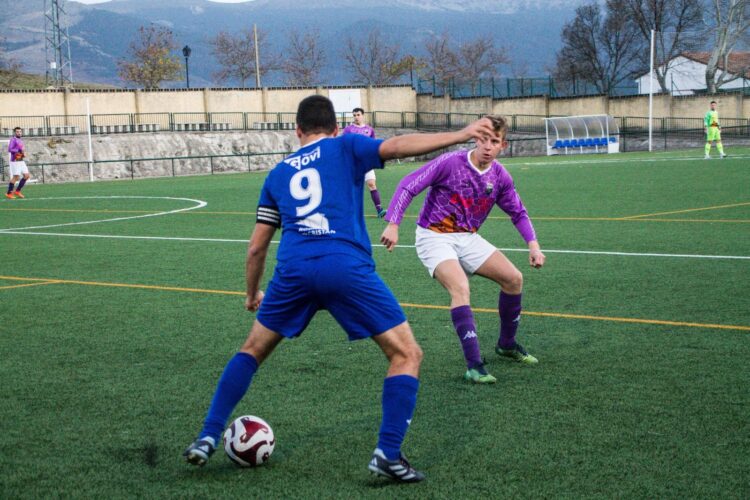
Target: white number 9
{"points": [[313, 191]]}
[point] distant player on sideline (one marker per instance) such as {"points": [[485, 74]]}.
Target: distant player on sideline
{"points": [[463, 187], [360, 127], [18, 168], [325, 262], [713, 131]]}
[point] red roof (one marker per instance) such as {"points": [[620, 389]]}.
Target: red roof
{"points": [[739, 62]]}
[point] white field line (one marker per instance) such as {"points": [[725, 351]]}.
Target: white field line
{"points": [[577, 163], [198, 204], [226, 240]]}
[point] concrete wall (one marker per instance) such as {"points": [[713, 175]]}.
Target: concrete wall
{"points": [[53, 102], [527, 106]]}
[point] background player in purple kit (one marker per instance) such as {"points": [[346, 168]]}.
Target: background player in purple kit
{"points": [[464, 185], [18, 168], [360, 127]]}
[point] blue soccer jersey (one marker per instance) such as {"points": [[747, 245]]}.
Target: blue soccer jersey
{"points": [[315, 196]]}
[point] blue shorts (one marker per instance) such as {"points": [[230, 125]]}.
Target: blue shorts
{"points": [[348, 287]]}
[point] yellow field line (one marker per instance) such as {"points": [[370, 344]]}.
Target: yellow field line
{"points": [[597, 318], [717, 207], [8, 287], [415, 306], [127, 285]]}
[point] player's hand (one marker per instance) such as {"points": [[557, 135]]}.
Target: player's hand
{"points": [[389, 238], [253, 303], [536, 257], [480, 129]]}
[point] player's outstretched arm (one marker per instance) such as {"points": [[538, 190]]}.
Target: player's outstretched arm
{"points": [[401, 146], [255, 263]]}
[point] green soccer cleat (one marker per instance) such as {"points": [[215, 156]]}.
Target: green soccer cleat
{"points": [[517, 353], [479, 375]]}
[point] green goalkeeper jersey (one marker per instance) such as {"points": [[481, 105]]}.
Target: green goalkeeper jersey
{"points": [[712, 119]]}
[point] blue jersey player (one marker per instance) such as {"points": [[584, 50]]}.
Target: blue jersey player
{"points": [[325, 262]]}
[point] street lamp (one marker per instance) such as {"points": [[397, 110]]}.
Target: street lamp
{"points": [[186, 52]]}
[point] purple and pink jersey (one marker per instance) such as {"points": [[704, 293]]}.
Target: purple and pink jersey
{"points": [[460, 197], [15, 145], [365, 130]]}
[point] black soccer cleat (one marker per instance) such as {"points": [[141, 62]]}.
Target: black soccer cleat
{"points": [[199, 451], [398, 470]]}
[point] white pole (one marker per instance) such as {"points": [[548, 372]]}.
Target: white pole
{"points": [[651, 94], [91, 150], [257, 59]]}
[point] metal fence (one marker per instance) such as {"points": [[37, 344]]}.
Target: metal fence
{"points": [[236, 121], [668, 133], [503, 88]]}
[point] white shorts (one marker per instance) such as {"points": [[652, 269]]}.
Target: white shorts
{"points": [[370, 175], [18, 168], [469, 249]]}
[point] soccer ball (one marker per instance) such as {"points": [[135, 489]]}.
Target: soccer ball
{"points": [[249, 441]]}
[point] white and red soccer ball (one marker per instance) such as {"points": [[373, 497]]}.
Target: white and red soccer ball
{"points": [[249, 441]]}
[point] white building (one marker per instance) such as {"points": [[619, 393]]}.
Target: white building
{"points": [[686, 73]]}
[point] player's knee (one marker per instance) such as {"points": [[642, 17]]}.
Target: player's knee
{"points": [[461, 292], [514, 283], [414, 353]]}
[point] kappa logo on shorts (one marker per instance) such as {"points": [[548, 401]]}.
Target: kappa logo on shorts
{"points": [[302, 161]]}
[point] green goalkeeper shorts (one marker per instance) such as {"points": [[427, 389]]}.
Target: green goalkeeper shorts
{"points": [[713, 134]]}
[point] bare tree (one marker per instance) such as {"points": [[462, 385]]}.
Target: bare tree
{"points": [[440, 61], [152, 59], [305, 58], [373, 60], [678, 26], [236, 56], [10, 68], [599, 48], [479, 58], [729, 26]]}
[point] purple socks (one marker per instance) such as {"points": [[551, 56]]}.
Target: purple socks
{"points": [[376, 200], [463, 321], [510, 315]]}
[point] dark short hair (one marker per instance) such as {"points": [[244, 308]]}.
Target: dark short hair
{"points": [[315, 115], [499, 124], [358, 110], [17, 128], [713, 102]]}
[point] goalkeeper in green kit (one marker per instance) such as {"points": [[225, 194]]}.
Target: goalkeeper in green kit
{"points": [[713, 131]]}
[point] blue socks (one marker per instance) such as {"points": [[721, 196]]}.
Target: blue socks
{"points": [[399, 400], [232, 386]]}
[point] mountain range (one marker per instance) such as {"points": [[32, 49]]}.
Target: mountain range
{"points": [[100, 33]]}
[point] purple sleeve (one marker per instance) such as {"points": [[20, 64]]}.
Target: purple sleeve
{"points": [[510, 203], [411, 185], [372, 133], [13, 146]]}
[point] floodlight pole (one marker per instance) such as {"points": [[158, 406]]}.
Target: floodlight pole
{"points": [[651, 93]]}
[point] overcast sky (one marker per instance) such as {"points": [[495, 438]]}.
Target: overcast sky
{"points": [[219, 1]]}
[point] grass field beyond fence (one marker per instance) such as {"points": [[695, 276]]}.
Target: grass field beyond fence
{"points": [[119, 312]]}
